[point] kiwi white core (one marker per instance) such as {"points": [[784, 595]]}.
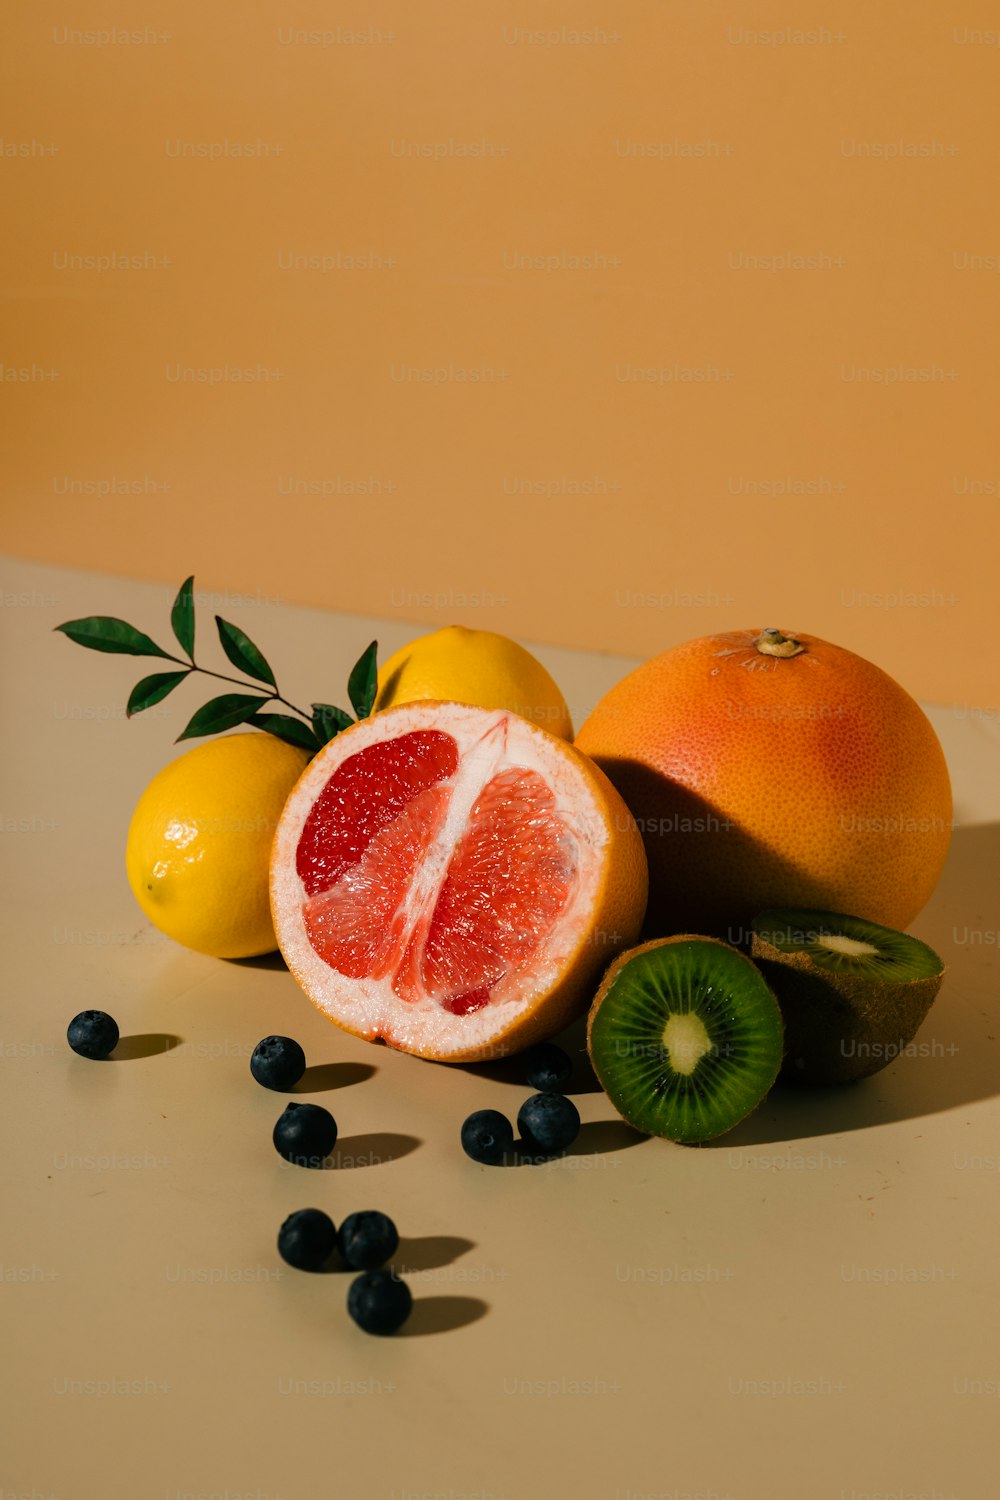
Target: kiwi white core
{"points": [[836, 942], [686, 1041]]}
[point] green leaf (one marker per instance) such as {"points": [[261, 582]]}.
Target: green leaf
{"points": [[182, 616], [243, 653], [222, 713], [292, 731], [153, 690], [329, 721], [362, 685], [105, 633]]}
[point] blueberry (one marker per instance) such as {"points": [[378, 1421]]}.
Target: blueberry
{"points": [[93, 1033], [306, 1238], [487, 1136], [278, 1062], [548, 1123], [305, 1134], [547, 1068], [367, 1240], [379, 1302]]}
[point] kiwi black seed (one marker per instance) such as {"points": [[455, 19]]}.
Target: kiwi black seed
{"points": [[853, 994], [685, 1037]]}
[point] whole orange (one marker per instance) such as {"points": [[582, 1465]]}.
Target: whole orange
{"points": [[772, 770]]}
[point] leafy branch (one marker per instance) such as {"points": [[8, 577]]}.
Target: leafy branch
{"points": [[310, 731]]}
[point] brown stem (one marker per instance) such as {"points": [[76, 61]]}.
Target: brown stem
{"points": [[771, 642]]}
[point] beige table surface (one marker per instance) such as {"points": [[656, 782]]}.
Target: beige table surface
{"points": [[807, 1309]]}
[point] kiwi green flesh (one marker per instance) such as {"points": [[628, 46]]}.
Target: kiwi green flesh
{"points": [[841, 944], [846, 1017], [686, 1091]]}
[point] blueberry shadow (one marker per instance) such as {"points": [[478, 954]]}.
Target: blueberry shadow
{"points": [[325, 1076], [596, 1138], [954, 1059], [144, 1044], [429, 1252], [442, 1315], [425, 1254], [334, 1265], [371, 1150]]}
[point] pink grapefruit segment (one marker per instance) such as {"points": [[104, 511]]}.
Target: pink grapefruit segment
{"points": [[452, 880], [355, 924], [509, 879], [367, 792]]}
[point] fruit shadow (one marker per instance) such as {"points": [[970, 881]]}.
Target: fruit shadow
{"points": [[596, 1138], [144, 1044], [260, 961], [371, 1150], [326, 1076], [572, 1039], [391, 683], [678, 855], [428, 1253], [954, 1059], [441, 1315]]}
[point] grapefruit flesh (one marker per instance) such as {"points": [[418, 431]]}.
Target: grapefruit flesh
{"points": [[439, 875]]}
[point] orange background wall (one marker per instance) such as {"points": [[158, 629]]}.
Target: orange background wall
{"points": [[552, 493]]}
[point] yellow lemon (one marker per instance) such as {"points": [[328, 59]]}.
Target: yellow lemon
{"points": [[478, 667], [199, 843]]}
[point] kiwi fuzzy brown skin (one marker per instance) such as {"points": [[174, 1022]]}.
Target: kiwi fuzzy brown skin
{"points": [[611, 975], [840, 1027]]}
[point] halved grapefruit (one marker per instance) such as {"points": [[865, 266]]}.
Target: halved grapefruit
{"points": [[453, 880]]}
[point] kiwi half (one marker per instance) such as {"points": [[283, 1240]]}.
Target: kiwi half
{"points": [[852, 993], [685, 1037]]}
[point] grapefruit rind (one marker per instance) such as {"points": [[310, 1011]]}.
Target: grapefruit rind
{"points": [[811, 781]]}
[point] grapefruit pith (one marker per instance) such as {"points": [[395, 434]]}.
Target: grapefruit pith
{"points": [[771, 770], [452, 880]]}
